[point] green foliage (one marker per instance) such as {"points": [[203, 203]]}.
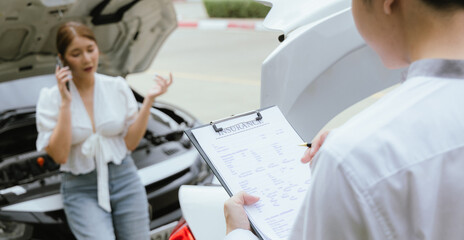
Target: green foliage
{"points": [[235, 9]]}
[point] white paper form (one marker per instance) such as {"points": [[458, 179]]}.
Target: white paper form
{"points": [[262, 158]]}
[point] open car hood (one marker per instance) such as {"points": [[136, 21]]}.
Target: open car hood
{"points": [[288, 15], [129, 33]]}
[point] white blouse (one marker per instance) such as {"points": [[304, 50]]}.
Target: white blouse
{"points": [[115, 109], [395, 170]]}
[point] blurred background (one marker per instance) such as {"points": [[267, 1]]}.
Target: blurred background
{"points": [[215, 56]]}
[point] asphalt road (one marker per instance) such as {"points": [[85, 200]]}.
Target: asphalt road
{"points": [[216, 72]]}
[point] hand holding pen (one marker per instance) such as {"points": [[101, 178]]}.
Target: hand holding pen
{"points": [[313, 147]]}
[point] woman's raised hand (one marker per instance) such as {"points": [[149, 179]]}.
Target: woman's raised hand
{"points": [[62, 76], [161, 86]]}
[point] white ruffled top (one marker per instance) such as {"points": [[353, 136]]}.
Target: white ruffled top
{"points": [[115, 109]]}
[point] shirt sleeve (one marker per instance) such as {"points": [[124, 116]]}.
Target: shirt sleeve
{"points": [[240, 234], [332, 207], [47, 111], [130, 105]]}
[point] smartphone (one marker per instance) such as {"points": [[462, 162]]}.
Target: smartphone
{"points": [[60, 64]]}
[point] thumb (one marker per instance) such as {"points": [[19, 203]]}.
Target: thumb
{"points": [[249, 199]]}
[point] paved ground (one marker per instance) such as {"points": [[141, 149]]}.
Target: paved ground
{"points": [[216, 72]]}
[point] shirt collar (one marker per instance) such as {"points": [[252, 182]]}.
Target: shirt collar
{"points": [[442, 68]]}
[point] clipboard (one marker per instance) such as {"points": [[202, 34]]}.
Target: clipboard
{"points": [[252, 116], [213, 124], [205, 157]]}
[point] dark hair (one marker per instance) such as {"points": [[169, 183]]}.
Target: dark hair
{"points": [[70, 30], [440, 4], [445, 4]]}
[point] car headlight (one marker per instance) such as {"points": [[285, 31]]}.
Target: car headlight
{"points": [[15, 231]]}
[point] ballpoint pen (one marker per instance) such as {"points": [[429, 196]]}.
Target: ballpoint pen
{"points": [[305, 145]]}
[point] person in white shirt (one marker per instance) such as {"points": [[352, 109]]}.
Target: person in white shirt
{"points": [[394, 171], [90, 127]]}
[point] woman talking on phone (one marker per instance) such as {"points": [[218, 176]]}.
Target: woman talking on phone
{"points": [[89, 128]]}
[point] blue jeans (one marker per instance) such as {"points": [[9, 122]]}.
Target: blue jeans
{"points": [[129, 217]]}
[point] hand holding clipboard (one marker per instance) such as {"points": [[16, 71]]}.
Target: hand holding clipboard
{"points": [[258, 152]]}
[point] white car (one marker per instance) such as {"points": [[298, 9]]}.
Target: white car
{"points": [[322, 67]]}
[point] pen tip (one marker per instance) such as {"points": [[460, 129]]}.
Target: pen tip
{"points": [[305, 144]]}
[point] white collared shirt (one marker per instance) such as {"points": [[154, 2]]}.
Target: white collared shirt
{"points": [[396, 170], [115, 109]]}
